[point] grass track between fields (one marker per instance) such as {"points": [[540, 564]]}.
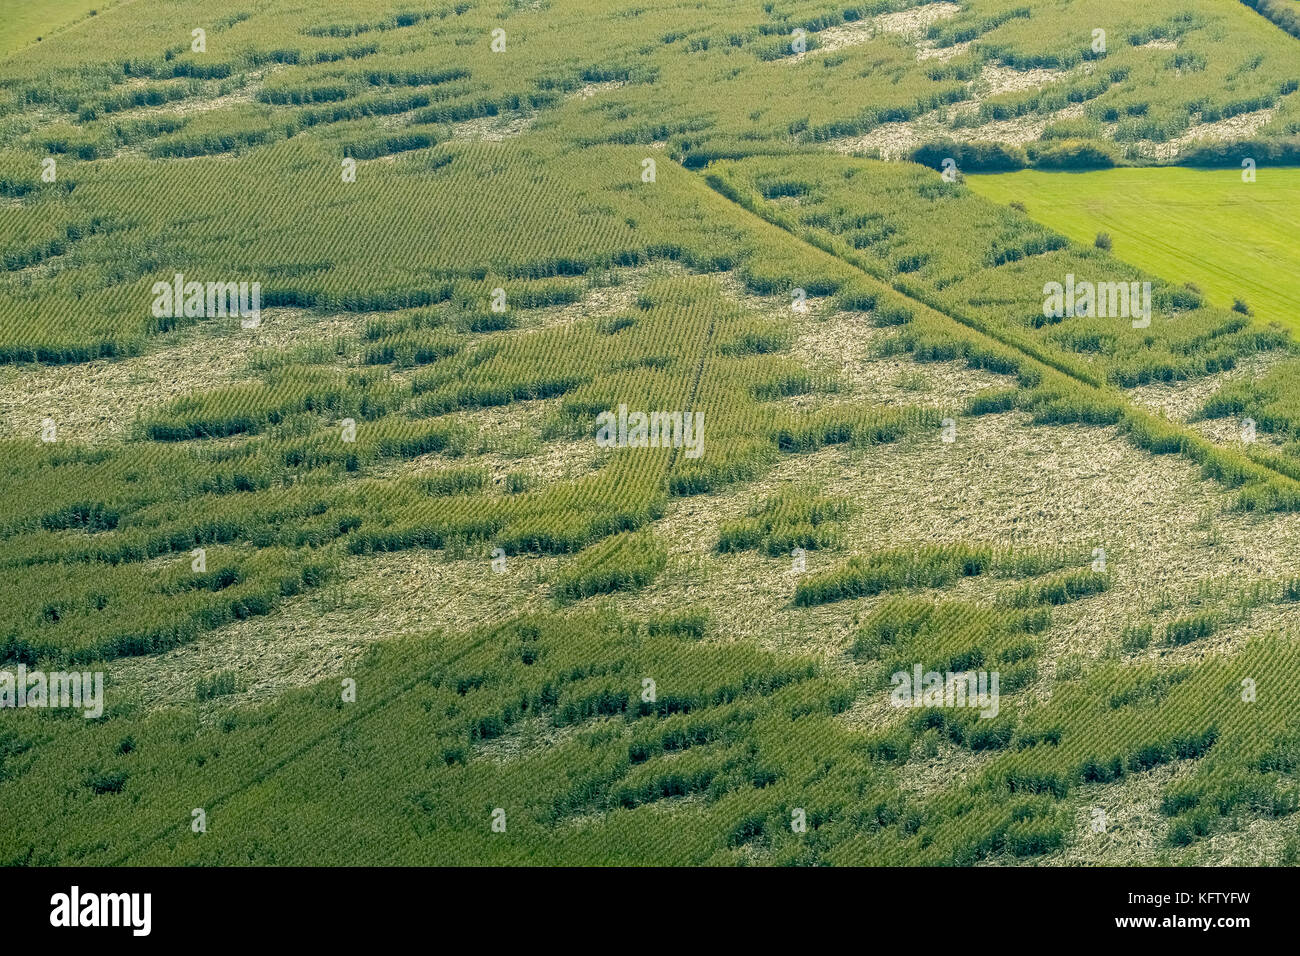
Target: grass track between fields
{"points": [[1192, 443]]}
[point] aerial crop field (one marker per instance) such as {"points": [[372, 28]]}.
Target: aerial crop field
{"points": [[478, 432], [26, 24], [1230, 237]]}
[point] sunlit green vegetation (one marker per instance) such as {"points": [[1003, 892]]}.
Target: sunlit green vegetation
{"points": [[28, 23], [627, 206], [728, 726], [800, 519], [1208, 228]]}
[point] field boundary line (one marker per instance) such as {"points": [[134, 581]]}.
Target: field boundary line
{"points": [[1129, 411], [64, 28], [300, 751]]}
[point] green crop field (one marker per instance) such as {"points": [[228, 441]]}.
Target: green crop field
{"points": [[480, 432], [1233, 239], [27, 23]]}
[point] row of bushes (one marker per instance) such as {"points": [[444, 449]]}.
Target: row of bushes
{"points": [[990, 157]]}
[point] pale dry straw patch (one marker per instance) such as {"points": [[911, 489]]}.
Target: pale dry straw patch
{"points": [[916, 20], [397, 120], [898, 139], [322, 634], [780, 307], [1020, 130], [492, 129], [1003, 481], [191, 106], [1262, 841], [995, 79], [100, 400], [1228, 431], [845, 348], [589, 90], [1181, 401], [526, 736], [910, 24], [894, 140], [1180, 551], [951, 766], [1242, 126], [508, 445], [206, 102], [1136, 831], [603, 299], [926, 50]]}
